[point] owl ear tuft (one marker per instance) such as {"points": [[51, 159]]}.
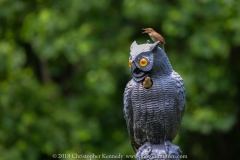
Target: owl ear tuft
{"points": [[154, 46], [134, 44]]}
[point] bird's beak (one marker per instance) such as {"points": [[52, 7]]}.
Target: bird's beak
{"points": [[144, 30]]}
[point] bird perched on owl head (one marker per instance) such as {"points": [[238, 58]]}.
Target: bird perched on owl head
{"points": [[155, 36]]}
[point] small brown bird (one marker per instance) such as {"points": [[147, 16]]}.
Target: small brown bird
{"points": [[155, 36]]}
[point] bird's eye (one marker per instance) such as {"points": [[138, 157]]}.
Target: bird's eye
{"points": [[130, 63], [143, 62]]}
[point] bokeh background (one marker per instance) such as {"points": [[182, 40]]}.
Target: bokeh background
{"points": [[64, 67]]}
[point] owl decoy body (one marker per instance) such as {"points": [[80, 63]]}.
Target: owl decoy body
{"points": [[152, 115]]}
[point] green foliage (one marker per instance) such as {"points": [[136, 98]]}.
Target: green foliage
{"points": [[63, 70]]}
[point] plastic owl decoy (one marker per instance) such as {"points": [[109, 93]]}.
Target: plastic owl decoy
{"points": [[153, 115]]}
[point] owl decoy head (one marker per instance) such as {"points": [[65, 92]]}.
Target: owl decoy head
{"points": [[148, 60]]}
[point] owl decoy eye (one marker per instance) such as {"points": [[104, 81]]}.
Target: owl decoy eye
{"points": [[143, 62], [130, 63]]}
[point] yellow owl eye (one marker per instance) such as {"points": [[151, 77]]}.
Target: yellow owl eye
{"points": [[130, 63], [143, 62]]}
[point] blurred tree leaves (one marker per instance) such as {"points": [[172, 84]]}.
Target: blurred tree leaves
{"points": [[63, 69]]}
